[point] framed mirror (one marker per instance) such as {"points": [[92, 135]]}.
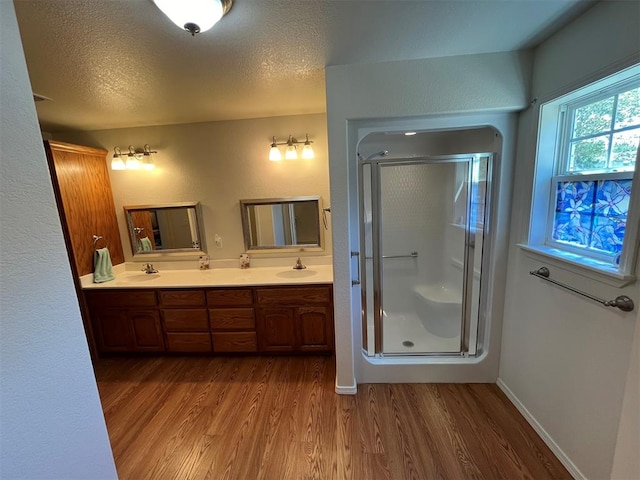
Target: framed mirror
{"points": [[164, 228], [282, 224]]}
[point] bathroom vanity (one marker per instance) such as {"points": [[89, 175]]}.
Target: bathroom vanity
{"points": [[223, 310], [261, 310]]}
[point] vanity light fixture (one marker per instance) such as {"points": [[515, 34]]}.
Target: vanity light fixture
{"points": [[135, 159], [194, 16], [291, 152]]}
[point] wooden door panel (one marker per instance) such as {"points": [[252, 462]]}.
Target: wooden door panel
{"points": [[178, 298], [294, 295], [234, 342], [85, 202], [186, 320], [147, 334], [114, 331], [230, 296], [120, 298], [314, 329], [193, 342], [276, 329], [232, 319]]}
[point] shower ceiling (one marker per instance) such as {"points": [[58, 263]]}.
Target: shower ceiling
{"points": [[114, 64]]}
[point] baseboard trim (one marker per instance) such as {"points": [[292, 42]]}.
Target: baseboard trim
{"points": [[346, 389], [546, 438]]}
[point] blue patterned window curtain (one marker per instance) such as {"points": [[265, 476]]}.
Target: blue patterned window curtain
{"points": [[592, 214]]}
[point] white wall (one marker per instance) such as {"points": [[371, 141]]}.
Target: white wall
{"points": [[217, 164], [51, 423], [565, 359], [626, 461], [436, 92]]}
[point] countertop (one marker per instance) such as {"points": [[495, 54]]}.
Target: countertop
{"points": [[216, 277]]}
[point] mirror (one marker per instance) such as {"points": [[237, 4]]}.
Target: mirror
{"points": [[164, 228], [283, 224]]}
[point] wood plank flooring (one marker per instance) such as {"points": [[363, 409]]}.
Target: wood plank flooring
{"points": [[277, 418]]}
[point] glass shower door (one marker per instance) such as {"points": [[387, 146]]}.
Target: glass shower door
{"points": [[422, 236]]}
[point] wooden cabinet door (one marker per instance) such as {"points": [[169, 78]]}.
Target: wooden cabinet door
{"points": [[314, 327], [114, 330], [276, 329], [82, 188], [145, 327]]}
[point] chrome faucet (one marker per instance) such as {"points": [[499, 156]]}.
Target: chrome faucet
{"points": [[299, 265], [148, 268]]}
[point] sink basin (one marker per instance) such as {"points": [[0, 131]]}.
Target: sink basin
{"points": [[138, 278], [296, 273]]}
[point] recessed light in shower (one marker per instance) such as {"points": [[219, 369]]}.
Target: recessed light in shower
{"points": [[408, 134]]}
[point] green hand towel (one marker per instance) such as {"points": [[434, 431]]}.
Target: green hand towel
{"points": [[145, 244], [102, 268]]}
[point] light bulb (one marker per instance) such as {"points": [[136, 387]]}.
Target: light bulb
{"points": [[147, 159], [147, 163], [291, 153], [117, 163], [274, 154], [132, 163], [307, 152]]}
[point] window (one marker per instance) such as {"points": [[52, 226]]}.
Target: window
{"points": [[588, 147], [598, 147], [592, 215]]}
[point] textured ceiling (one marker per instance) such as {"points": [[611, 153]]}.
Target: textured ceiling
{"points": [[118, 63]]}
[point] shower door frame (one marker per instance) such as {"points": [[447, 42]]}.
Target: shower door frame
{"points": [[376, 165]]}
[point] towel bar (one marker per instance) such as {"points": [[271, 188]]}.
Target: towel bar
{"points": [[410, 255], [622, 302]]}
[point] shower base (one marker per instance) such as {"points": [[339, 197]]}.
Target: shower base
{"points": [[400, 330]]}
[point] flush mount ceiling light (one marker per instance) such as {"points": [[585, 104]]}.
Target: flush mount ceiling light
{"points": [[291, 152], [135, 159], [194, 16]]}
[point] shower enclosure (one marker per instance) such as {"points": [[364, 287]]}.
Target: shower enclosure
{"points": [[422, 229]]}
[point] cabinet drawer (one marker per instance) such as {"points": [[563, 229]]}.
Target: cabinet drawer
{"points": [[229, 296], [235, 342], [188, 342], [185, 320], [182, 298], [122, 298], [294, 296], [232, 319]]}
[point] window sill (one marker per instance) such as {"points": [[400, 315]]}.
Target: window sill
{"points": [[586, 267]]}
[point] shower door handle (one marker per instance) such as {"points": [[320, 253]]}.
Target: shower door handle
{"points": [[357, 281]]}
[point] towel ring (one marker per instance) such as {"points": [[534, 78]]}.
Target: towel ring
{"points": [[95, 241]]}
